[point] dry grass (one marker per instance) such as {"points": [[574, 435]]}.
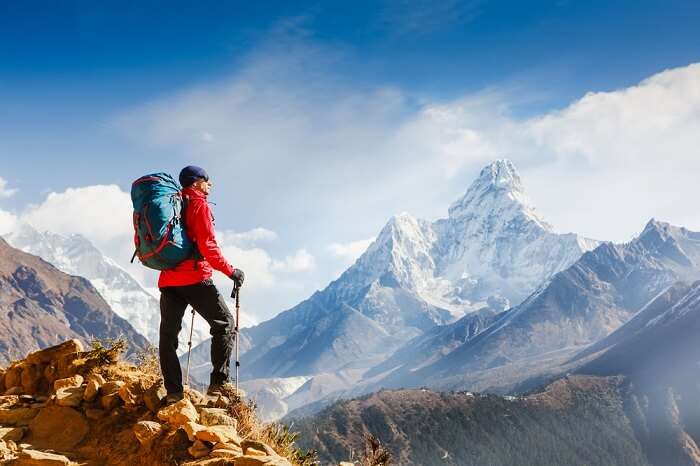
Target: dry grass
{"points": [[278, 436], [147, 361], [375, 453]]}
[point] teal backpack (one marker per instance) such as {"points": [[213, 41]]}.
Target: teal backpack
{"points": [[159, 234]]}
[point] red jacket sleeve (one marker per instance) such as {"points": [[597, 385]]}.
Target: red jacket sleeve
{"points": [[199, 222]]}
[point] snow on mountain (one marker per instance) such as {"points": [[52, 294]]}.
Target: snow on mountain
{"points": [[492, 250], [76, 255]]}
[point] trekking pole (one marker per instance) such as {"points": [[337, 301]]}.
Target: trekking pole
{"points": [[237, 294], [189, 351]]}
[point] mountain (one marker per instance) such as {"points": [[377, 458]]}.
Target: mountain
{"points": [[578, 421], [41, 306], [577, 307], [493, 249], [658, 352], [76, 255]]}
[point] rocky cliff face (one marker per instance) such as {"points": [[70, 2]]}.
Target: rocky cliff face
{"points": [[41, 306], [66, 406]]}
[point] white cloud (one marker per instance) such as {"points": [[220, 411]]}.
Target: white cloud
{"points": [[101, 213], [300, 261], [349, 252], [8, 222], [4, 190], [247, 238]]}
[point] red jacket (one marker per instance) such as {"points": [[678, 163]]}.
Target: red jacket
{"points": [[199, 224]]}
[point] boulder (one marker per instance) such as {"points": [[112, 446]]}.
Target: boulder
{"points": [[132, 393], [94, 413], [31, 376], [74, 381], [261, 461], [13, 376], [147, 431], [2, 379], [12, 433], [198, 449], [216, 417], [255, 452], [51, 372], [112, 387], [209, 462], [226, 453], [18, 390], [218, 434], [47, 355], [346, 463], [178, 413], [92, 388], [70, 396], [17, 416], [153, 396], [109, 402], [58, 428], [195, 397], [260, 447], [191, 428], [40, 458]]}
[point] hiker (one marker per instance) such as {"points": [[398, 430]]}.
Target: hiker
{"points": [[190, 283]]}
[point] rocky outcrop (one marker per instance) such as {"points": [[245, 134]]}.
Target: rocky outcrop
{"points": [[66, 406]]}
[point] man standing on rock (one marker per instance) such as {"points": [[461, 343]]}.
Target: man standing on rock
{"points": [[191, 283]]}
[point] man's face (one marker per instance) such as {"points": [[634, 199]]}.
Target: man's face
{"points": [[203, 185]]}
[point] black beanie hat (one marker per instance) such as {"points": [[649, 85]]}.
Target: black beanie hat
{"points": [[190, 174]]}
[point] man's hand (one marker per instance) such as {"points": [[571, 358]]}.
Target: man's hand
{"points": [[238, 277]]}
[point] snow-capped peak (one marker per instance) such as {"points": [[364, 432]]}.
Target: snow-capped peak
{"points": [[498, 191]]}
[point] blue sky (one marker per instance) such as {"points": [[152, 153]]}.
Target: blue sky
{"points": [[316, 118]]}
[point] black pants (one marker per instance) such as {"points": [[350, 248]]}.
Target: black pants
{"points": [[208, 302]]}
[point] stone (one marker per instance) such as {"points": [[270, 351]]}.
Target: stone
{"points": [[191, 428], [95, 414], [132, 393], [18, 390], [216, 417], [92, 387], [222, 402], [255, 452], [346, 463], [74, 381], [219, 434], [226, 453], [40, 458], [260, 447], [195, 397], [17, 416], [178, 413], [109, 402], [153, 396], [70, 396], [198, 449], [261, 461], [209, 462], [58, 428], [13, 377], [112, 387], [2, 379], [146, 432], [12, 433], [68, 364], [7, 401], [51, 372], [51, 353], [31, 376]]}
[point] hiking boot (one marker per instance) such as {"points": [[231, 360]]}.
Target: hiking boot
{"points": [[219, 389], [171, 398]]}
